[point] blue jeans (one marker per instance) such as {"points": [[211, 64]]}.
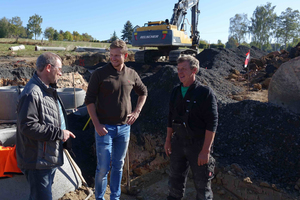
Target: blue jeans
{"points": [[111, 151], [40, 183]]}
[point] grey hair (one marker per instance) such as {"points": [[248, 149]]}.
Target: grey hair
{"points": [[45, 59], [119, 44], [194, 62]]}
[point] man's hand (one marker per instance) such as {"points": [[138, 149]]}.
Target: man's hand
{"points": [[203, 158], [101, 130], [168, 148], [67, 135], [132, 117]]}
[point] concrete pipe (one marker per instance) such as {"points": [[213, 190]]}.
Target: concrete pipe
{"points": [[8, 101], [91, 49], [16, 48], [69, 98], [37, 48], [7, 136]]}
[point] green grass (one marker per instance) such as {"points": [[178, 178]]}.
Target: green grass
{"points": [[30, 44]]}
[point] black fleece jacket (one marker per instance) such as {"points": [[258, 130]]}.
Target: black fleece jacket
{"points": [[203, 114]]}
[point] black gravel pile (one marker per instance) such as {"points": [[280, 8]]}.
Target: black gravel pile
{"points": [[153, 118], [160, 79], [262, 138], [8, 71], [217, 64], [226, 59]]}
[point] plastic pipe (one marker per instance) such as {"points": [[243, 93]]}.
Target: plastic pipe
{"points": [[37, 48], [17, 48], [92, 49]]}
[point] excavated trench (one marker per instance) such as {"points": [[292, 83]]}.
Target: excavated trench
{"points": [[256, 145]]}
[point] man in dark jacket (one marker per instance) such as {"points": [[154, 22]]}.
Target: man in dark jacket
{"points": [[192, 124], [41, 127]]}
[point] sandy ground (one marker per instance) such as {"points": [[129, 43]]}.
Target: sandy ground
{"points": [[152, 186]]}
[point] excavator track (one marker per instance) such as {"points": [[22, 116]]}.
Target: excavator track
{"points": [[175, 54], [147, 56]]}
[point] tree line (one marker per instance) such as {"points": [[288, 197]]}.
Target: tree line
{"points": [[13, 28], [267, 30]]}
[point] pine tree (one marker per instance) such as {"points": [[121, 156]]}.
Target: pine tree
{"points": [[127, 32]]}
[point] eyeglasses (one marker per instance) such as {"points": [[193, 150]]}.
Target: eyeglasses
{"points": [[56, 67]]}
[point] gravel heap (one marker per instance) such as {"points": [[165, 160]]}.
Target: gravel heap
{"points": [[262, 138], [216, 64], [22, 70]]}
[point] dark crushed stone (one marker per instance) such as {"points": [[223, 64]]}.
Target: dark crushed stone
{"points": [[8, 71], [224, 60], [262, 138]]}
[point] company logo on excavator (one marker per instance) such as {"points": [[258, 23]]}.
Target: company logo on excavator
{"points": [[149, 36]]}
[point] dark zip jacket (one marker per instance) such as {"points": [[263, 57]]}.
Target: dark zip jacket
{"points": [[202, 115], [39, 136]]}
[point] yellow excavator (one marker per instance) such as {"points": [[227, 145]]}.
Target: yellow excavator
{"points": [[168, 36]]}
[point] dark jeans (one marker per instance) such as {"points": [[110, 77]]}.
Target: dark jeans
{"points": [[40, 182], [185, 156]]}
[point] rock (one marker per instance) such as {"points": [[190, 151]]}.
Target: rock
{"points": [[257, 86], [238, 98], [234, 71], [265, 184], [266, 83], [232, 76], [247, 180], [284, 88]]}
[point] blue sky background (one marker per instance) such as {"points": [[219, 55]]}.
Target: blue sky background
{"points": [[101, 18]]}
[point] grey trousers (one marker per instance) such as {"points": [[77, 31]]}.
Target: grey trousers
{"points": [[183, 158]]}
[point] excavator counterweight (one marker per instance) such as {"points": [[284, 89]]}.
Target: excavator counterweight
{"points": [[168, 36]]}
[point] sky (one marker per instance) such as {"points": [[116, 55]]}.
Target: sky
{"points": [[101, 18]]}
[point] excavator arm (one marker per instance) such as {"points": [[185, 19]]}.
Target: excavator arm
{"points": [[179, 13]]}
